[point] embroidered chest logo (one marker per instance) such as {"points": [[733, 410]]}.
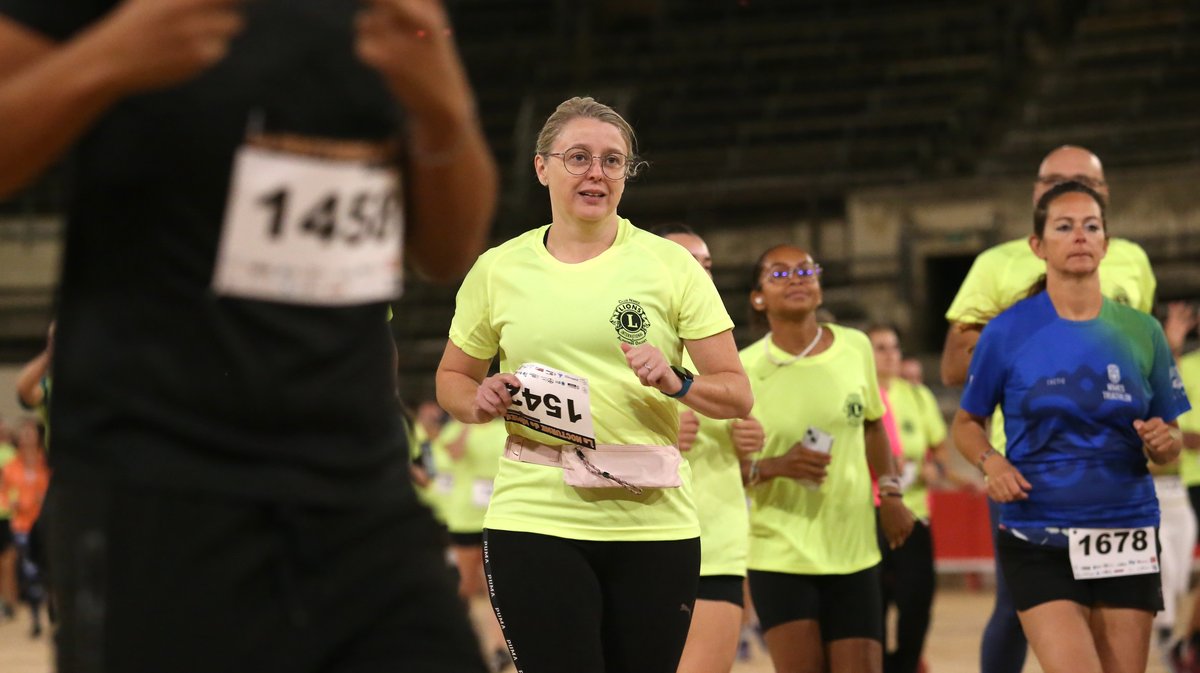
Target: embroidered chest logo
{"points": [[854, 409], [630, 322]]}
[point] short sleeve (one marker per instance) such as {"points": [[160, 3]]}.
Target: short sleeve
{"points": [[931, 416], [976, 297], [1168, 399], [1189, 370], [701, 311], [985, 378], [1147, 283], [875, 408], [471, 329]]}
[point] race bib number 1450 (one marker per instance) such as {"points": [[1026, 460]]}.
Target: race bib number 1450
{"points": [[306, 230]]}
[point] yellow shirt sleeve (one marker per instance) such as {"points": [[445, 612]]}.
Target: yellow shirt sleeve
{"points": [[934, 423], [472, 329]]}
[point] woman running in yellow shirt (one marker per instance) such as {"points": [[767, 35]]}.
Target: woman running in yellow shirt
{"points": [[814, 560]]}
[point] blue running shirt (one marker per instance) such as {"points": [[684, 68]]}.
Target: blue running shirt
{"points": [[1070, 391]]}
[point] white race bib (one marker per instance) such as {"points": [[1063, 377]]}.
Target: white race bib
{"points": [[305, 230], [1112, 552], [553, 403], [481, 492], [443, 483]]}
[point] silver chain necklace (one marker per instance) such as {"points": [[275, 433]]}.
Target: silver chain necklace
{"points": [[799, 356]]}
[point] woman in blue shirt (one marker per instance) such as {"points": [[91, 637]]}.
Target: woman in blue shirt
{"points": [[1089, 391]]}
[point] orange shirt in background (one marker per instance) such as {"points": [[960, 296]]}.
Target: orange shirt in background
{"points": [[22, 488]]}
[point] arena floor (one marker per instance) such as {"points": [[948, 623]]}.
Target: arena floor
{"points": [[959, 616]]}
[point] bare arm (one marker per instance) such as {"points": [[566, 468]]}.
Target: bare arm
{"points": [[941, 457], [1004, 482], [67, 86], [894, 518], [956, 353], [879, 450], [50, 94], [720, 388], [452, 203], [451, 174], [459, 389], [29, 380], [1181, 319]]}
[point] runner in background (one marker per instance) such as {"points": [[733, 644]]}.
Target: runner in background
{"points": [[714, 449], [912, 371], [8, 551], [429, 431], [1090, 392], [592, 554], [814, 558], [23, 484], [472, 458], [908, 572], [1184, 652], [999, 277]]}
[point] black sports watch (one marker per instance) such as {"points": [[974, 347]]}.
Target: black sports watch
{"points": [[686, 378]]}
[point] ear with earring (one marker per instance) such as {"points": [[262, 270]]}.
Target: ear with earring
{"points": [[758, 301]]}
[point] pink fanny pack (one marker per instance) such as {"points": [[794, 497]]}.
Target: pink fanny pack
{"points": [[629, 466]]}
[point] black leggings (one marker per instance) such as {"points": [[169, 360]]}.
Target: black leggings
{"points": [[591, 607], [908, 583]]}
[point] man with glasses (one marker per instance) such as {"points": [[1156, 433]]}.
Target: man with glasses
{"points": [[999, 277]]}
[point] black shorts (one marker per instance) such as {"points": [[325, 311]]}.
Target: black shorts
{"points": [[1194, 497], [466, 539], [1039, 574], [584, 606], [6, 536], [845, 606], [727, 588], [149, 581]]}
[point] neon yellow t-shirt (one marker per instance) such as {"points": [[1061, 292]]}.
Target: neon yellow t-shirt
{"points": [[1002, 274], [830, 530], [1189, 460], [921, 426], [720, 498], [438, 466], [521, 302], [473, 474]]}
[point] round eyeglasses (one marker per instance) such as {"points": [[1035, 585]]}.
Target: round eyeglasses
{"points": [[782, 274], [578, 161]]}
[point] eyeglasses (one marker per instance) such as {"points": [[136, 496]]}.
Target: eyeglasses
{"points": [[578, 161], [1056, 179], [781, 274]]}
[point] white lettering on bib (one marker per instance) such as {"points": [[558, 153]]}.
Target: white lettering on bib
{"points": [[1112, 552], [305, 230]]}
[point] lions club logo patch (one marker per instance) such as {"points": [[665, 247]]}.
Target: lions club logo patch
{"points": [[630, 322], [854, 409]]}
